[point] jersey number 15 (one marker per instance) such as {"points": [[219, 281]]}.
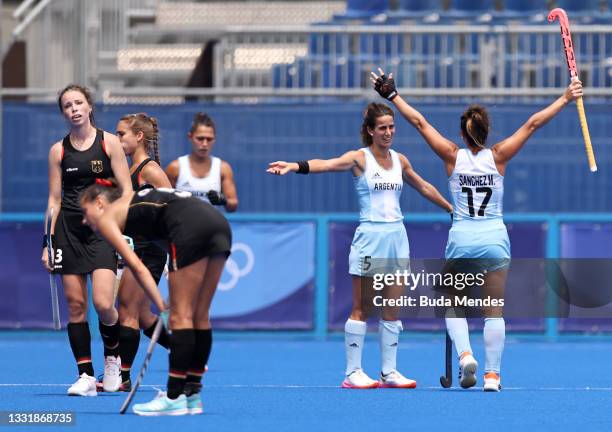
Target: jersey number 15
{"points": [[470, 198]]}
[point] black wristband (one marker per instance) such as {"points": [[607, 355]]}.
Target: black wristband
{"points": [[303, 167]]}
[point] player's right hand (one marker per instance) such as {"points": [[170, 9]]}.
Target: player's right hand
{"points": [[281, 167], [45, 260]]}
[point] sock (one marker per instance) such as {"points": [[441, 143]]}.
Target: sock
{"points": [[460, 334], [80, 343], [494, 337], [389, 338], [201, 353], [163, 336], [181, 353], [110, 337], [129, 339], [354, 337]]}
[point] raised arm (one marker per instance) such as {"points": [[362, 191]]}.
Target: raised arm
{"points": [[351, 160], [508, 148], [423, 187], [118, 162], [444, 148]]}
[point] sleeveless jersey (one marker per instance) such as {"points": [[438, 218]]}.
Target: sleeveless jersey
{"points": [[476, 187], [135, 176], [80, 169], [379, 190], [199, 186]]}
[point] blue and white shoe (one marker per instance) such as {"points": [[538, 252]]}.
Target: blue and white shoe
{"points": [[194, 404], [162, 406]]}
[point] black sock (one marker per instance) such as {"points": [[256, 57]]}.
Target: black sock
{"points": [[129, 339], [201, 353], [80, 343], [181, 352], [163, 339], [110, 337]]}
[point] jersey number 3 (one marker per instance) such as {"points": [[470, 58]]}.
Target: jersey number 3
{"points": [[470, 198]]}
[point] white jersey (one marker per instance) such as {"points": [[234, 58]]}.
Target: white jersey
{"points": [[199, 186], [476, 187], [379, 190]]}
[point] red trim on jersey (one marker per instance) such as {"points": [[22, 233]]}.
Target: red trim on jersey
{"points": [[173, 255]]}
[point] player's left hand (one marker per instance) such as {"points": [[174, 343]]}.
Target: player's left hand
{"points": [[216, 198], [574, 90], [384, 85]]}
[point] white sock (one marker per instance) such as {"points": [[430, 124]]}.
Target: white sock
{"points": [[494, 337], [389, 338], [354, 337], [460, 334]]}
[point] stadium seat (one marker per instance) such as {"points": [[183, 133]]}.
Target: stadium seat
{"points": [[472, 6], [365, 8], [585, 6], [525, 6]]}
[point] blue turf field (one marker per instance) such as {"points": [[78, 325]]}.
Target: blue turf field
{"points": [[292, 384]]}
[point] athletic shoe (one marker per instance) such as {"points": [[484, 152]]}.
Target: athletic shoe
{"points": [[112, 374], [162, 406], [467, 370], [194, 404], [85, 386], [359, 380], [125, 386], [394, 379], [492, 382]]}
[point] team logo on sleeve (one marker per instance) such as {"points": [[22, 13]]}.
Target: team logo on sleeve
{"points": [[96, 166]]}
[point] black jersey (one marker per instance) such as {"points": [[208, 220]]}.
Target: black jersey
{"points": [[80, 169], [192, 228], [136, 175]]}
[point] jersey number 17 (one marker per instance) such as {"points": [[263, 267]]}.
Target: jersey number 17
{"points": [[470, 198]]}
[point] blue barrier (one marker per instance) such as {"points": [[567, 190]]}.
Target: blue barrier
{"points": [[553, 224]]}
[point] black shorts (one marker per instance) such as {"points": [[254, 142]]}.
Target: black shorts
{"points": [[198, 231], [78, 250], [153, 257]]}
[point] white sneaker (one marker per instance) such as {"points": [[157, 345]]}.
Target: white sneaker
{"points": [[85, 386], [359, 380], [492, 382], [467, 371], [112, 374], [161, 405], [394, 379]]}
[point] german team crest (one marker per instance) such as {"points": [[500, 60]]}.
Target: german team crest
{"points": [[96, 166]]}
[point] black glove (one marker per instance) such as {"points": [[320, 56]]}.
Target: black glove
{"points": [[385, 87], [216, 198], [451, 216]]}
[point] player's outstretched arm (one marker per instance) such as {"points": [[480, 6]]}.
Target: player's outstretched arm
{"points": [[508, 148], [425, 188], [349, 160], [385, 86]]}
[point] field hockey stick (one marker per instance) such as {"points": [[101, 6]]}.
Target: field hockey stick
{"points": [[57, 325], [566, 36], [154, 337], [447, 380]]}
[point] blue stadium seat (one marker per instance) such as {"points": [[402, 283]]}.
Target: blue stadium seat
{"points": [[365, 8], [472, 6], [525, 6], [420, 5], [586, 6]]}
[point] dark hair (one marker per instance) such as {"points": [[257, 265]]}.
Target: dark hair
{"points": [[475, 125], [371, 113], [202, 119], [85, 92], [107, 187], [141, 122]]}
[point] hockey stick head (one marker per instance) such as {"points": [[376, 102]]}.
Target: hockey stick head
{"points": [[561, 15]]}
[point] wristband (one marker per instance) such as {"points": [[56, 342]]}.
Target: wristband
{"points": [[303, 167]]}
